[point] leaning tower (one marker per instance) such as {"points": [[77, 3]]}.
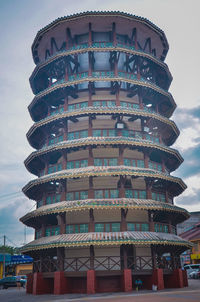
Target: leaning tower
{"points": [[102, 132]]}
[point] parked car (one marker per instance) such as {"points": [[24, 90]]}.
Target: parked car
{"points": [[190, 268], [195, 274], [10, 282]]}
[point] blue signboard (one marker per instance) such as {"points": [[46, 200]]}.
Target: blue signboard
{"points": [[20, 259]]}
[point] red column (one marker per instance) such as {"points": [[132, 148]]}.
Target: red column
{"points": [[157, 278], [42, 285], [185, 278], [29, 284], [175, 280], [127, 280], [60, 283], [91, 282]]}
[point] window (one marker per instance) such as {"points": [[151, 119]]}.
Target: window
{"points": [[98, 194], [107, 227], [115, 227], [77, 195], [129, 193], [158, 196], [142, 194], [135, 194], [53, 198], [83, 194], [98, 162], [70, 164], [77, 134], [104, 103], [55, 140], [96, 133], [114, 193], [130, 226], [140, 163], [83, 228], [69, 196], [54, 168], [69, 229], [99, 227], [105, 161], [145, 227], [77, 164]]}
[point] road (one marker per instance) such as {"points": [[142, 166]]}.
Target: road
{"points": [[192, 293]]}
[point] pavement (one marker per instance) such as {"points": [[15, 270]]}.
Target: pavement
{"points": [[187, 294]]}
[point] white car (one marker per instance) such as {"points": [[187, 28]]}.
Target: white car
{"points": [[195, 274], [191, 268]]}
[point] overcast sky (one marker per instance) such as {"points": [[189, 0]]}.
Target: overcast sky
{"points": [[19, 22]]}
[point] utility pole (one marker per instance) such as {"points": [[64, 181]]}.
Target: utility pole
{"points": [[4, 256]]}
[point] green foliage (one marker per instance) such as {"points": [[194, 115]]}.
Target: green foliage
{"points": [[8, 250]]}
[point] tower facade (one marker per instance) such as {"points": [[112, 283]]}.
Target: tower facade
{"points": [[102, 133]]}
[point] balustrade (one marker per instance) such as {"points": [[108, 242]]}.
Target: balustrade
{"points": [[107, 263]]}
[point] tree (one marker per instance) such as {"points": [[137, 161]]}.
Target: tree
{"points": [[8, 250]]}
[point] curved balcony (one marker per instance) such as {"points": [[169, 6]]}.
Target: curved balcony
{"points": [[97, 47], [105, 76], [106, 110], [104, 141], [104, 171]]}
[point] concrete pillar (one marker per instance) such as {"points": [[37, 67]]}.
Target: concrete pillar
{"points": [[91, 282], [175, 280], [157, 278], [60, 283], [41, 285], [29, 284], [185, 278], [127, 280]]}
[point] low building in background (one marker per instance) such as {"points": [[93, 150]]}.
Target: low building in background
{"points": [[193, 235], [16, 265], [189, 223]]}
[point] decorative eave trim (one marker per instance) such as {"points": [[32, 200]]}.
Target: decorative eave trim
{"points": [[101, 204], [103, 171], [106, 239], [102, 111], [101, 141]]}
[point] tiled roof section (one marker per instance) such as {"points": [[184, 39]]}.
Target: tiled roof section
{"points": [[103, 141], [101, 238], [140, 204], [98, 13], [104, 171], [103, 110], [192, 234]]}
